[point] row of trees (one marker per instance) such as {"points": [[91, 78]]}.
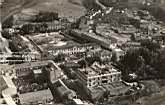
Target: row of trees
{"points": [[46, 17], [34, 28]]}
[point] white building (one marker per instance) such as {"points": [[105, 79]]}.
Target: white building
{"points": [[97, 75]]}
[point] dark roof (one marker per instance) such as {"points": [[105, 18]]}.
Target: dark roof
{"points": [[31, 64], [36, 96]]}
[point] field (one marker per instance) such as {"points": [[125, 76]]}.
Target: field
{"points": [[8, 5], [65, 8], [155, 99]]}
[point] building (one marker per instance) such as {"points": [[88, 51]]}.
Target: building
{"points": [[128, 45], [39, 97], [53, 72], [38, 68], [74, 49], [118, 53], [104, 42], [106, 56], [77, 102], [63, 91], [97, 75], [26, 69]]}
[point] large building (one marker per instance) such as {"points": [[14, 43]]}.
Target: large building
{"points": [[38, 97], [74, 49], [39, 68], [98, 75], [104, 42], [25, 69]]}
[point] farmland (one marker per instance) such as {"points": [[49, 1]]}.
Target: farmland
{"points": [[65, 8]]}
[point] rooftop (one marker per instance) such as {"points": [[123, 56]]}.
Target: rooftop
{"points": [[31, 64], [97, 69], [36, 96], [78, 101], [73, 45]]}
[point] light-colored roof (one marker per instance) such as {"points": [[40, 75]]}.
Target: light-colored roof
{"points": [[36, 96], [38, 71], [78, 101], [97, 69]]}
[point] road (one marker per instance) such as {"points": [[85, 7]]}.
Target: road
{"points": [[100, 4], [18, 8]]}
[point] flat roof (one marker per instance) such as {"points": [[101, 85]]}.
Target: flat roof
{"points": [[31, 64], [97, 69], [38, 71], [36, 96], [72, 44], [78, 101]]}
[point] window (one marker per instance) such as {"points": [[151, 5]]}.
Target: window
{"points": [[105, 81], [89, 84], [90, 80], [104, 77]]}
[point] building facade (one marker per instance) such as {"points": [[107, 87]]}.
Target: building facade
{"points": [[75, 49], [98, 75]]}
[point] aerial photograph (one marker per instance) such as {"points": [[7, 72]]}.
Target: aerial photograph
{"points": [[82, 52]]}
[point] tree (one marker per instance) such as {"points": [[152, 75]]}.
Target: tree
{"points": [[46, 17], [131, 61], [27, 28], [160, 64], [149, 44], [140, 61]]}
